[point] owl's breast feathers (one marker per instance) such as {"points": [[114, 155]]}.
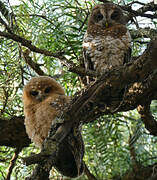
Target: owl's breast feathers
{"points": [[106, 48], [39, 118], [116, 31]]}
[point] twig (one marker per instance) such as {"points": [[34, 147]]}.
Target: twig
{"points": [[147, 118], [4, 11], [12, 162], [28, 43], [35, 159], [136, 2], [32, 64], [88, 173], [69, 64], [5, 24]]}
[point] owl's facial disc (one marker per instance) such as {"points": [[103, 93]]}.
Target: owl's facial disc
{"points": [[40, 95]]}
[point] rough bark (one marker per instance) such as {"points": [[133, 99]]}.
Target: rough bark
{"points": [[13, 133]]}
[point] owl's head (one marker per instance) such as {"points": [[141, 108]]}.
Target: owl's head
{"points": [[106, 15], [39, 88]]}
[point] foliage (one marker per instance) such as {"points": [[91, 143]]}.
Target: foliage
{"points": [[59, 26]]}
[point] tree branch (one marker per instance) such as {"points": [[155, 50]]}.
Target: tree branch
{"points": [[143, 33], [12, 163], [89, 174], [13, 133], [147, 118], [32, 64], [28, 43]]}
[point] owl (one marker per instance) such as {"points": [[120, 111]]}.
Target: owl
{"points": [[107, 42], [38, 96]]}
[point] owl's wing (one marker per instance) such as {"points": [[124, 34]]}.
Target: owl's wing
{"points": [[88, 65], [87, 60], [127, 55]]}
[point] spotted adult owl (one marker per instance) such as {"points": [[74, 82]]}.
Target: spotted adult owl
{"points": [[38, 96], [107, 41]]}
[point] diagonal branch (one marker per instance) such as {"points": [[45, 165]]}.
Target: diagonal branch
{"points": [[147, 118], [32, 64], [69, 64], [28, 43], [12, 163]]}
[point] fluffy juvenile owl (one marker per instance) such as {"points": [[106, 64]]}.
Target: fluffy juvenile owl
{"points": [[107, 41], [38, 96]]}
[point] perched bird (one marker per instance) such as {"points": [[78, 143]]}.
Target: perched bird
{"points": [[107, 41], [40, 95]]}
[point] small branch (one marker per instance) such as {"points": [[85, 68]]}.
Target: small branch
{"points": [[5, 11], [148, 7], [35, 159], [28, 44], [5, 25], [12, 163], [147, 118], [136, 2], [88, 173], [69, 64], [32, 64], [143, 33]]}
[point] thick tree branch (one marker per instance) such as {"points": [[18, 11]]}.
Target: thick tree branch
{"points": [[147, 118], [107, 93], [13, 133]]}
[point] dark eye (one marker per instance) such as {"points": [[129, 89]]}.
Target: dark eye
{"points": [[47, 90], [115, 15], [34, 93], [99, 17]]}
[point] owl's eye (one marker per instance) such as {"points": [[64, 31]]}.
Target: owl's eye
{"points": [[115, 15], [47, 90], [99, 17], [34, 93]]}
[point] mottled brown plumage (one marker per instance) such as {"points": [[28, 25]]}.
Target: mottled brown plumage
{"points": [[38, 95], [107, 41], [43, 100]]}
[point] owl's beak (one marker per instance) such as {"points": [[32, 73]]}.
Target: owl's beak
{"points": [[40, 97], [106, 24]]}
